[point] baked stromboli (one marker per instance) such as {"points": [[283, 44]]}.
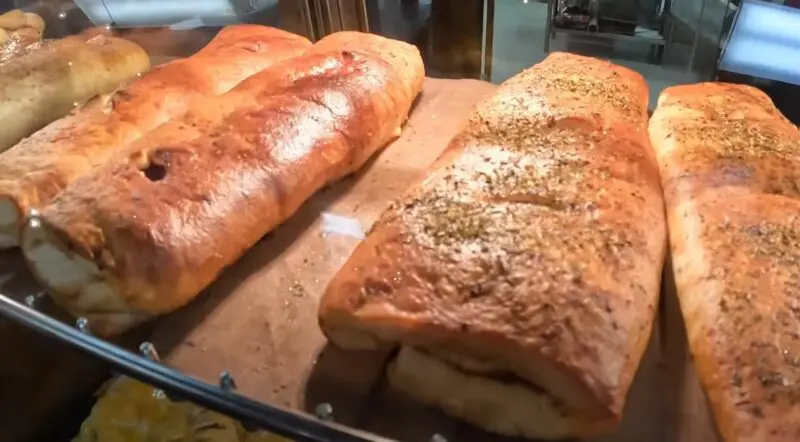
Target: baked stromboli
{"points": [[520, 277], [37, 169], [730, 168], [19, 32], [143, 237], [41, 86]]}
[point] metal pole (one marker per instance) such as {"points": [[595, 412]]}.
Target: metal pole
{"points": [[696, 36], [548, 29]]}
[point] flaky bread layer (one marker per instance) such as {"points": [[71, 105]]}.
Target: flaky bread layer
{"points": [[375, 330], [511, 408], [78, 284]]}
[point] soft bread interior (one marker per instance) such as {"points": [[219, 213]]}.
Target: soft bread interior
{"points": [[537, 370], [76, 283], [507, 407]]}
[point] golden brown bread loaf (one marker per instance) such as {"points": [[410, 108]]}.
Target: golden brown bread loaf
{"points": [[520, 277], [143, 236], [21, 26], [37, 169], [730, 168], [40, 86], [19, 32], [28, 39]]}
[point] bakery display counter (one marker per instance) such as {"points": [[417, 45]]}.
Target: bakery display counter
{"points": [[222, 231], [258, 321]]}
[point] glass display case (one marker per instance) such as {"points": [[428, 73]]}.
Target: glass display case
{"points": [[246, 360]]}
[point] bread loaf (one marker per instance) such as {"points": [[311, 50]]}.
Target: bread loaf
{"points": [[43, 85], [19, 32], [37, 169], [730, 168], [143, 236], [520, 276], [25, 40], [18, 43]]}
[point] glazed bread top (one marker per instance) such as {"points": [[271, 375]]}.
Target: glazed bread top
{"points": [[39, 86], [730, 166], [38, 168], [533, 247], [160, 224]]}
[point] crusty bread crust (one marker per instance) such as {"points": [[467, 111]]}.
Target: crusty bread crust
{"points": [[34, 171], [40, 86], [535, 243], [148, 233], [730, 167]]}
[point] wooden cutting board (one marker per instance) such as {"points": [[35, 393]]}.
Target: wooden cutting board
{"points": [[258, 321]]}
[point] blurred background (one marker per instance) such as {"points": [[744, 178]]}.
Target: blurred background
{"points": [[667, 41]]}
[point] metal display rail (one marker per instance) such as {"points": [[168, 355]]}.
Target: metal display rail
{"points": [[145, 368]]}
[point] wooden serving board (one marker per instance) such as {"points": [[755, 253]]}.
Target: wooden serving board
{"points": [[259, 320]]}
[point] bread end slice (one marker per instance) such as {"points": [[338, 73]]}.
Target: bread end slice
{"points": [[505, 406], [76, 283]]}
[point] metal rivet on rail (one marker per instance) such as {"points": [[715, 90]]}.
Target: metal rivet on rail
{"points": [[32, 301], [226, 381], [33, 219], [62, 15], [83, 325], [148, 350], [324, 411]]}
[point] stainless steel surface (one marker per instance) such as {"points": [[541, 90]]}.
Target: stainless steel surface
{"points": [[690, 67], [641, 35]]}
